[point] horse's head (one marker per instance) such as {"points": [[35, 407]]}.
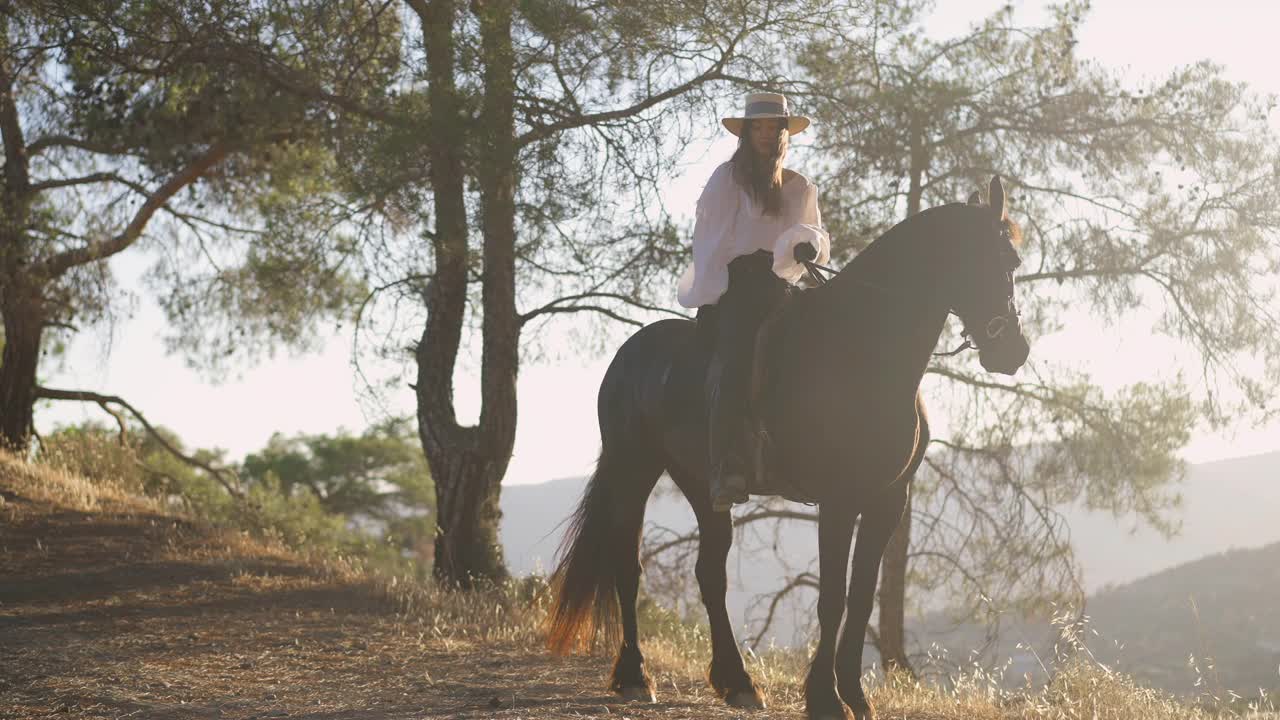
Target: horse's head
{"points": [[979, 282]]}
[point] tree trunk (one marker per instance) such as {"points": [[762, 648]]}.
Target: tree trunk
{"points": [[892, 641], [497, 175], [23, 325], [468, 551], [467, 464], [21, 300]]}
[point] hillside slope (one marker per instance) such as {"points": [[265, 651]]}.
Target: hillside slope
{"points": [[1206, 628], [110, 607], [1223, 609]]}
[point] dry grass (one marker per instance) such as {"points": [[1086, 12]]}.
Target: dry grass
{"points": [[71, 492], [112, 607]]}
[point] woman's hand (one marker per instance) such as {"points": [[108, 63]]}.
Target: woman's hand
{"points": [[805, 252]]}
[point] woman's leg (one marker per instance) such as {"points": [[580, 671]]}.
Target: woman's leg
{"points": [[753, 292], [726, 402]]}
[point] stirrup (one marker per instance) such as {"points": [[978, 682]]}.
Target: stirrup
{"points": [[728, 494], [725, 504], [757, 442]]}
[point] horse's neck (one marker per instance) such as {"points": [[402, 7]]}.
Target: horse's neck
{"points": [[890, 302]]}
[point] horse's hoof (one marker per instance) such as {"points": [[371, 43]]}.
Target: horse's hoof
{"points": [[860, 708], [637, 694], [746, 699], [825, 711]]}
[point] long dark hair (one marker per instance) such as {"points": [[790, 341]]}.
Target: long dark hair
{"points": [[761, 176]]}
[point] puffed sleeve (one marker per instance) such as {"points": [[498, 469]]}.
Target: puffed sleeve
{"points": [[809, 214], [808, 228], [708, 277]]}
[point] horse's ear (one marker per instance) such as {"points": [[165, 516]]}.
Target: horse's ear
{"points": [[974, 199], [996, 199]]}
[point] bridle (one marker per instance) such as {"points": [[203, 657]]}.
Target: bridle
{"points": [[994, 329]]}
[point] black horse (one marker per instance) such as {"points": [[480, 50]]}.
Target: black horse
{"points": [[842, 409]]}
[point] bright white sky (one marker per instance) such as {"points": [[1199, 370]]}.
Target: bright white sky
{"points": [[557, 434]]}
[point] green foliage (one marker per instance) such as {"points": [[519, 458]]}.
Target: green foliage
{"points": [[122, 102], [379, 477], [366, 498]]}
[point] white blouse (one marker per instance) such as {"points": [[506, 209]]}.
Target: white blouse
{"points": [[730, 224]]}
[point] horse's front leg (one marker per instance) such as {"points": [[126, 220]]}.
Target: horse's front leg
{"points": [[877, 526], [835, 532], [728, 674]]}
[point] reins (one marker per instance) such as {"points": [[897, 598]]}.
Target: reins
{"points": [[816, 270]]}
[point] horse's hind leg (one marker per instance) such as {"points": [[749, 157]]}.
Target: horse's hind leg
{"points": [[728, 675], [629, 678]]}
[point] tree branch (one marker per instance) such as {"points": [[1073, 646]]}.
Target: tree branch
{"points": [[762, 513], [316, 92], [58, 264], [57, 141], [590, 308], [1080, 273], [712, 73], [220, 474], [555, 306], [804, 579], [84, 180], [61, 325]]}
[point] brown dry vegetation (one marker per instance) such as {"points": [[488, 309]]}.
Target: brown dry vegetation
{"points": [[112, 607]]}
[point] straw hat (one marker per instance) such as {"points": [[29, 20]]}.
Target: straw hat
{"points": [[766, 105]]}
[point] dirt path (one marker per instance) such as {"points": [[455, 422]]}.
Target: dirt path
{"points": [[124, 612]]}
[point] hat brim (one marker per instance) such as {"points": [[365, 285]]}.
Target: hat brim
{"points": [[795, 123]]}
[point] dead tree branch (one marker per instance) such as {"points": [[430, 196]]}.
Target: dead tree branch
{"points": [[225, 476]]}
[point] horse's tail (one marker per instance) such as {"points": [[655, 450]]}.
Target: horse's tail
{"points": [[586, 600], [601, 548]]}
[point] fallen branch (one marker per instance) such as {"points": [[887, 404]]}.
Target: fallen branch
{"points": [[105, 401], [803, 580]]}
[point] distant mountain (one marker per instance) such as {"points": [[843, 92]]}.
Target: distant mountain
{"points": [[1231, 504], [1208, 626], [1226, 504], [1223, 609]]}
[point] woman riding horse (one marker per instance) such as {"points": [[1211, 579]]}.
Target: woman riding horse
{"points": [[846, 422], [750, 208]]}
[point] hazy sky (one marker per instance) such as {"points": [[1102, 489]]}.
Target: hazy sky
{"points": [[557, 434]]}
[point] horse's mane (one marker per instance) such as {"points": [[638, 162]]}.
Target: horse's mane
{"points": [[918, 223], [887, 241]]}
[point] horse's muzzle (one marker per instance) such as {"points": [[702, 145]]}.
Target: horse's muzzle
{"points": [[1004, 354]]}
